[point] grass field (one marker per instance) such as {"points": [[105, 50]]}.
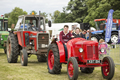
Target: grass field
{"points": [[38, 71]]}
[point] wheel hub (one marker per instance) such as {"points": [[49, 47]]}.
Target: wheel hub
{"points": [[106, 68], [51, 59], [114, 38], [70, 69], [94, 39]]}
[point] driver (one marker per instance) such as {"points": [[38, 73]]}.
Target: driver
{"points": [[31, 26], [65, 36]]}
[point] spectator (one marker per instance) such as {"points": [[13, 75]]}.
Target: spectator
{"points": [[84, 34], [78, 33], [87, 35]]}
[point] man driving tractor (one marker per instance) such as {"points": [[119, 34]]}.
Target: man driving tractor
{"points": [[31, 26], [65, 36]]}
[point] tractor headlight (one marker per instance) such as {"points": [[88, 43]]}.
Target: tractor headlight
{"points": [[1, 39], [80, 50], [102, 50]]}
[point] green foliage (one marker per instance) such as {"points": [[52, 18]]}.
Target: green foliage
{"points": [[99, 9], [78, 10], [13, 17], [45, 15]]}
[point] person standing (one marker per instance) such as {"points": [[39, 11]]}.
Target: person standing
{"points": [[78, 33]]}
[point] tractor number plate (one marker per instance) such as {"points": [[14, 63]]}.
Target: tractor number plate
{"points": [[93, 61]]}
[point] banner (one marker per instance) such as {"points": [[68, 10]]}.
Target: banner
{"points": [[109, 26]]}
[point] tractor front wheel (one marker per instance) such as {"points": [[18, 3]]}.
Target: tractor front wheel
{"points": [[24, 57], [41, 58], [53, 59], [86, 70], [72, 68], [109, 69]]}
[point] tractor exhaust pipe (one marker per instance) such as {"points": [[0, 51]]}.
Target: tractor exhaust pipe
{"points": [[39, 28]]}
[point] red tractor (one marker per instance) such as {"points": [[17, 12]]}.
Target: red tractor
{"points": [[81, 53], [28, 39]]}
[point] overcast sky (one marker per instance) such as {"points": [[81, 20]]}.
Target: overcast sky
{"points": [[48, 6]]}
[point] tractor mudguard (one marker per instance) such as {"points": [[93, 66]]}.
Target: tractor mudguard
{"points": [[61, 51], [70, 49], [19, 38]]}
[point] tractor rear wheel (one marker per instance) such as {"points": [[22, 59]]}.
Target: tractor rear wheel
{"points": [[87, 70], [114, 37], [53, 59], [41, 58], [24, 57], [12, 48], [72, 68], [109, 69]]}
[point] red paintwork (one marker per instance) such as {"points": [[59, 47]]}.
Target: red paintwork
{"points": [[51, 59], [70, 69], [61, 52], [19, 37], [114, 20], [106, 68], [21, 40], [91, 66], [73, 46], [100, 20]]}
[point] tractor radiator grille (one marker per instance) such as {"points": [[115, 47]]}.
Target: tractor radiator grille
{"points": [[43, 39], [96, 52], [89, 52], [92, 50]]}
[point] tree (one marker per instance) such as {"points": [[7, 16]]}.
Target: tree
{"points": [[52, 17], [56, 15], [45, 15], [78, 10], [99, 9], [14, 15]]}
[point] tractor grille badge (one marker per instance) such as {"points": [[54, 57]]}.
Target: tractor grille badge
{"points": [[43, 37]]}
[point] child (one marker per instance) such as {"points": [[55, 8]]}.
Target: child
{"points": [[102, 47]]}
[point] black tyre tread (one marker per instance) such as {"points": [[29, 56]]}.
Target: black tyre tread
{"points": [[112, 68], [75, 65], [14, 48], [41, 58], [5, 51], [97, 36], [57, 65], [87, 70], [25, 56]]}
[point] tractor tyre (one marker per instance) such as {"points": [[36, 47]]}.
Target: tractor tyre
{"points": [[41, 58], [53, 59], [114, 37], [109, 69], [95, 38], [87, 70], [5, 51], [72, 68], [12, 48], [24, 57]]}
